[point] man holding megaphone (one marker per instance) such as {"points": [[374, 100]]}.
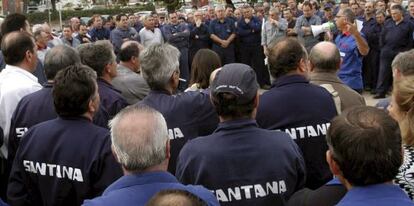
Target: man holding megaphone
{"points": [[352, 46]]}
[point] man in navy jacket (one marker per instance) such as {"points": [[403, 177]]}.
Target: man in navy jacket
{"points": [[141, 144], [296, 107], [68, 159], [241, 163], [188, 114]]}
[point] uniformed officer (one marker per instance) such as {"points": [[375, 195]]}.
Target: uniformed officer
{"points": [[140, 143], [249, 30], [222, 33], [68, 159], [230, 158], [101, 58], [295, 106], [188, 114], [178, 35]]}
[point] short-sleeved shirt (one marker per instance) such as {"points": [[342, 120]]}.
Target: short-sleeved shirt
{"points": [[62, 162], [188, 115], [304, 111], [137, 189], [351, 68], [243, 164]]}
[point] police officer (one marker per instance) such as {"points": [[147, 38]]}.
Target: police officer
{"points": [[222, 33], [188, 114], [230, 157], [249, 29], [101, 58], [38, 106], [178, 34], [295, 106], [68, 159]]}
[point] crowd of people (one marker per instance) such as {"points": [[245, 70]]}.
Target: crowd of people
{"points": [[249, 106]]}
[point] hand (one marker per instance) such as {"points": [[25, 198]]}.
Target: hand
{"points": [[225, 43], [196, 37], [247, 21], [198, 23], [351, 28], [275, 22], [126, 39], [86, 40]]}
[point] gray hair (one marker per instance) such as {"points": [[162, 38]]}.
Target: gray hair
{"points": [[58, 58], [404, 62], [219, 7], [274, 10], [349, 14], [140, 144], [96, 55], [37, 27], [158, 63]]}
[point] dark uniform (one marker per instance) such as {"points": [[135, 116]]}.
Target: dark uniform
{"points": [[394, 39], [370, 63], [62, 162], [251, 52], [99, 34], [240, 163], [111, 99], [302, 110], [199, 39], [188, 115], [223, 30], [36, 108], [179, 36]]}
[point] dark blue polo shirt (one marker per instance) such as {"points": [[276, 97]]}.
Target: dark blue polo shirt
{"points": [[177, 35], [396, 38], [111, 98], [137, 189], [249, 34], [62, 162], [243, 164], [203, 39], [36, 108], [99, 34], [302, 110], [188, 115], [222, 30], [378, 195], [372, 31]]}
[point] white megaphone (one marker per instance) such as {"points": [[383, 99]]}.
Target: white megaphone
{"points": [[325, 27]]}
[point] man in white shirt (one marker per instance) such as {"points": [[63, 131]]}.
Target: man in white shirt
{"points": [[149, 34], [16, 80]]}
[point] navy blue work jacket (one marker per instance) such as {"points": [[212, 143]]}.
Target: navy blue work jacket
{"points": [[62, 162], [137, 189], [177, 35], [249, 34], [243, 164], [222, 30], [99, 34], [188, 115], [302, 110], [396, 38], [111, 98]]}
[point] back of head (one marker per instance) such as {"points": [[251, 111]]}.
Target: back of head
{"points": [[128, 50], [204, 62], [404, 62], [58, 58], [365, 142], [325, 57], [13, 22], [285, 56], [403, 94], [175, 198], [139, 137], [158, 63], [234, 90], [74, 87], [96, 56], [15, 45]]}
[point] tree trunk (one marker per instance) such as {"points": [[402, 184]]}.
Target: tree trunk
{"points": [[53, 2]]}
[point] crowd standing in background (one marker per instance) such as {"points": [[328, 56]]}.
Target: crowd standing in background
{"points": [[255, 105]]}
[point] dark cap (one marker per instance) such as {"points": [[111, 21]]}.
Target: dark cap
{"points": [[237, 79]]}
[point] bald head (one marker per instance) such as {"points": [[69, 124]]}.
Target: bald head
{"points": [[324, 56]]}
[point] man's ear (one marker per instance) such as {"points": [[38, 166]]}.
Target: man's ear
{"points": [[333, 166]]}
